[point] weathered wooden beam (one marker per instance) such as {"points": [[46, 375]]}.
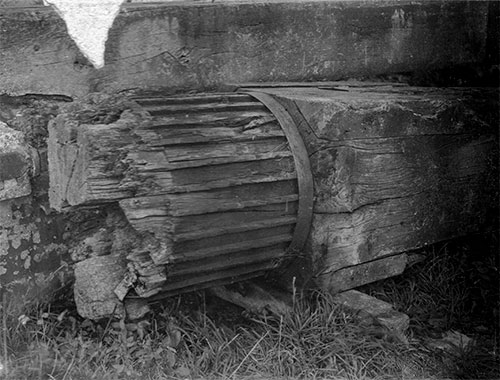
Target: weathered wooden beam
{"points": [[201, 45]]}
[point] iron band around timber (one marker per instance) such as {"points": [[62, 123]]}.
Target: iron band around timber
{"points": [[302, 165]]}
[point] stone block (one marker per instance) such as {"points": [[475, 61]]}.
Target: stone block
{"points": [[16, 164], [95, 279]]}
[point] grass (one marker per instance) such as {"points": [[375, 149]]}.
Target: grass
{"points": [[198, 336], [316, 341], [457, 288]]}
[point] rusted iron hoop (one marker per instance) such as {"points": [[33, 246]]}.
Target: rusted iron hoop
{"points": [[302, 165]]}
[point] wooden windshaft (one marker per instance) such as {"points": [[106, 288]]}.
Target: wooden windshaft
{"points": [[207, 189], [218, 186]]}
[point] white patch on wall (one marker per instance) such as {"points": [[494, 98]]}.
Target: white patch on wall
{"points": [[88, 23]]}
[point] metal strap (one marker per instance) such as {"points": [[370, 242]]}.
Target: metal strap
{"points": [[302, 166]]}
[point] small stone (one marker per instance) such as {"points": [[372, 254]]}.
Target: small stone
{"points": [[12, 165], [136, 308], [183, 372]]}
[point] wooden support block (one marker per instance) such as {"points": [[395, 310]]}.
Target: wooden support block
{"points": [[377, 312], [255, 299], [394, 168], [354, 276], [136, 308]]}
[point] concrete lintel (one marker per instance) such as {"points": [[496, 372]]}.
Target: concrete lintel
{"points": [[198, 45]]}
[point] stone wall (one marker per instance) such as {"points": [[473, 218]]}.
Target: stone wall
{"points": [[32, 249]]}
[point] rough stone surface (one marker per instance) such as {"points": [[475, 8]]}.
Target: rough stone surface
{"points": [[15, 164], [33, 261], [201, 45], [95, 280], [32, 252]]}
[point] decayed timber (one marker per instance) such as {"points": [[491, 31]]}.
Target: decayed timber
{"points": [[208, 182], [204, 44]]}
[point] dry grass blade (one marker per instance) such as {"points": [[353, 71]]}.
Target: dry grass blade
{"points": [[4, 365], [247, 355]]}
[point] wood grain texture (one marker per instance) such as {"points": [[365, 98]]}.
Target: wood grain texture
{"points": [[201, 45], [357, 275], [394, 169], [401, 224], [368, 145]]}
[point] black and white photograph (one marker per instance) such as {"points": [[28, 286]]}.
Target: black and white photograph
{"points": [[249, 189]]}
